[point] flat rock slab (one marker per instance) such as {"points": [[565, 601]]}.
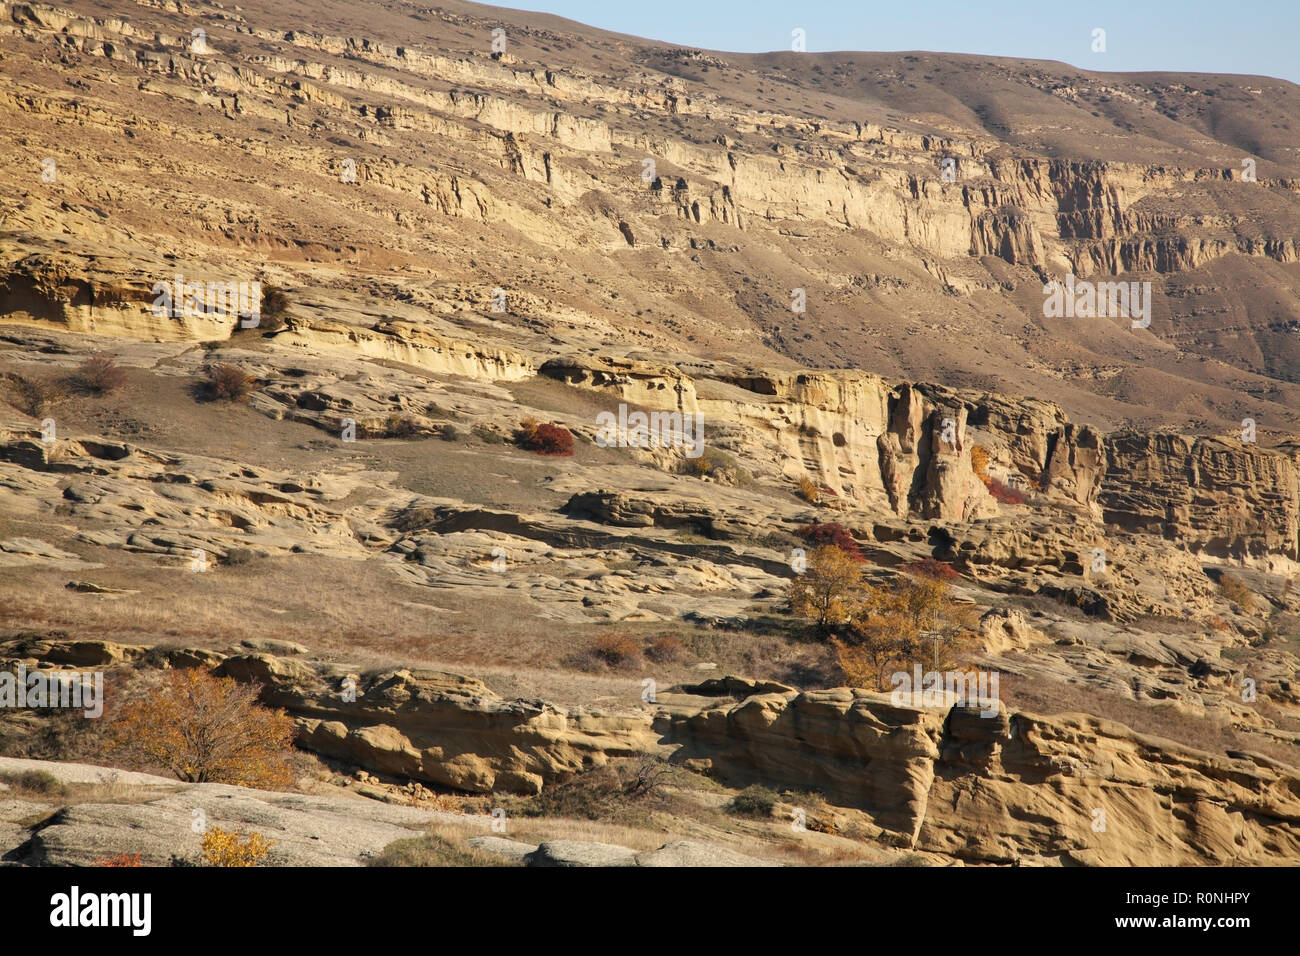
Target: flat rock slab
{"points": [[500, 846], [163, 820], [576, 853], [681, 853], [690, 853]]}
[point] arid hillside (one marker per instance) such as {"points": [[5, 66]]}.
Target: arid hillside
{"points": [[624, 194], [324, 332]]}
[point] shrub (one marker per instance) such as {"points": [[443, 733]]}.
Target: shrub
{"points": [[487, 434], [122, 859], [224, 848], [416, 518], [238, 556], [665, 648], [207, 729], [755, 801], [645, 777], [718, 465], [834, 534], [616, 650], [229, 383], [547, 439], [979, 462], [100, 375], [808, 490], [449, 432], [526, 433], [1234, 589], [394, 426], [35, 396], [275, 303], [932, 568], [39, 782], [1004, 493], [433, 850]]}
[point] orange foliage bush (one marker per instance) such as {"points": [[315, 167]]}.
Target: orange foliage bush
{"points": [[206, 729]]}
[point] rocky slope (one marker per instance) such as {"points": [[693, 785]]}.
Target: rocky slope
{"points": [[466, 239]]}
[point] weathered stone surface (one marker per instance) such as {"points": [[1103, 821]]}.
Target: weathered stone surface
{"points": [[1014, 787], [307, 830], [571, 853]]}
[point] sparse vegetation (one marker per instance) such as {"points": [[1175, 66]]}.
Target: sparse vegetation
{"points": [[1237, 593], [807, 490], [121, 860], [229, 383], [99, 375], [226, 848]]}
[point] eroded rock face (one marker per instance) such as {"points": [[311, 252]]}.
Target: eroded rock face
{"points": [[979, 783], [1219, 499], [1010, 788], [441, 728]]}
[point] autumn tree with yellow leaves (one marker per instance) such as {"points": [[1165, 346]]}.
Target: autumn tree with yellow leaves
{"points": [[206, 729], [826, 591], [878, 629]]}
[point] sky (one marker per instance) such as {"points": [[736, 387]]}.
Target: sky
{"points": [[1196, 36]]}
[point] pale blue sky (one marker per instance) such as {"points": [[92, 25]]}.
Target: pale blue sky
{"points": [[1201, 36]]}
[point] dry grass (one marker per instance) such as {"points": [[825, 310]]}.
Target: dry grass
{"points": [[1237, 593], [1201, 733], [40, 786]]}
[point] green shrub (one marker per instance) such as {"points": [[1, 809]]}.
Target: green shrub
{"points": [[755, 801]]}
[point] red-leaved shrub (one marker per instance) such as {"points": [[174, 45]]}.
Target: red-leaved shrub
{"points": [[1005, 493], [933, 569], [831, 533], [545, 439]]}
